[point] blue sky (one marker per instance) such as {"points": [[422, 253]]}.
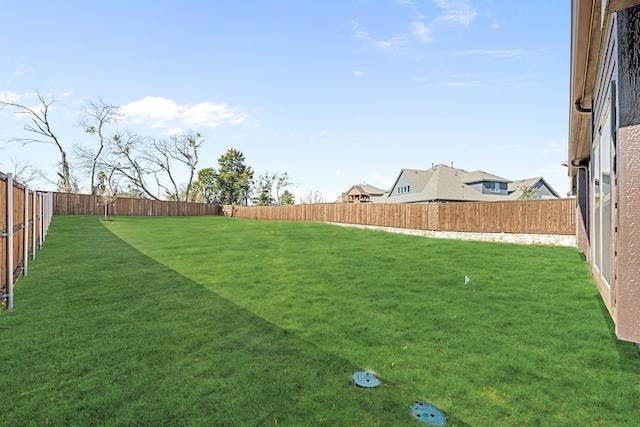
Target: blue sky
{"points": [[333, 92]]}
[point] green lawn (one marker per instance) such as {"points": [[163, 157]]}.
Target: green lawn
{"points": [[218, 321]]}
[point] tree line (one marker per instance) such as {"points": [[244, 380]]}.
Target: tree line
{"points": [[126, 164]]}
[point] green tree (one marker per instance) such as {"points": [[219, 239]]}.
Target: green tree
{"points": [[287, 198], [234, 178], [281, 181], [204, 187], [263, 189], [267, 184]]}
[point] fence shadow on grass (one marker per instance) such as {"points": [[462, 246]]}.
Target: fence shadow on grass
{"points": [[106, 335]]}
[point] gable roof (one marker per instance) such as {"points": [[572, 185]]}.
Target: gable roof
{"points": [[480, 176], [517, 187], [445, 183], [366, 189], [371, 190]]}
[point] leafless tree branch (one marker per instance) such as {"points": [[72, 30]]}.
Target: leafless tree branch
{"points": [[40, 126]]}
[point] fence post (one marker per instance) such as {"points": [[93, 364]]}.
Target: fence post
{"points": [[9, 241], [25, 235], [47, 215], [41, 224], [34, 224], [50, 199]]}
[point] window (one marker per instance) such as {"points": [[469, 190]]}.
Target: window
{"points": [[494, 187], [403, 189], [601, 184]]}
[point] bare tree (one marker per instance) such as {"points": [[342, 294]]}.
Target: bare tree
{"points": [[41, 127], [181, 149], [95, 116], [312, 197], [107, 189], [152, 165], [126, 158], [25, 173]]}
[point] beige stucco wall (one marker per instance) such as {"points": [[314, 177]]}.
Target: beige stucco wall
{"points": [[627, 290]]}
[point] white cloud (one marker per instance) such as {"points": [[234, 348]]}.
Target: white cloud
{"points": [[421, 31], [357, 73], [22, 71], [453, 11], [26, 98], [456, 11], [160, 112], [9, 96], [175, 131], [381, 44]]}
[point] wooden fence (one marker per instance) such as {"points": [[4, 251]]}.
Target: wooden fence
{"points": [[85, 204], [555, 216], [25, 216]]}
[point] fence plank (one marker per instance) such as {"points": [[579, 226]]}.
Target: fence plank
{"points": [[19, 232], [86, 204], [554, 216]]}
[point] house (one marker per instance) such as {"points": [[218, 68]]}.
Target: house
{"points": [[604, 151], [532, 188], [362, 193], [443, 183]]}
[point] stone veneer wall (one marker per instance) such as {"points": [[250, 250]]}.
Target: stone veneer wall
{"points": [[523, 239]]}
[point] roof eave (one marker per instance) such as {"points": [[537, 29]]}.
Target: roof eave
{"points": [[587, 29], [583, 13]]}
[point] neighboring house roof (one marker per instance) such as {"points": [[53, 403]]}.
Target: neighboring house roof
{"points": [[444, 183], [370, 189], [479, 176], [362, 191], [516, 188]]}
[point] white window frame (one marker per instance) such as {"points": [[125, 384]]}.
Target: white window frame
{"points": [[601, 246]]}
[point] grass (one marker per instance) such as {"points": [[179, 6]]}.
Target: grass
{"points": [[217, 321]]}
